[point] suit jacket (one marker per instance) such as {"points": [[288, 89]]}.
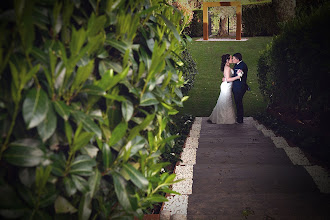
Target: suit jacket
{"points": [[237, 84]]}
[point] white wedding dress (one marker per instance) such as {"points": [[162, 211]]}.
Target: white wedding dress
{"points": [[223, 112]]}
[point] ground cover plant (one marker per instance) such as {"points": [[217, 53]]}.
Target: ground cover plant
{"points": [[87, 91], [207, 55]]}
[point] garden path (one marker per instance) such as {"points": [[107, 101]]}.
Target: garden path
{"points": [[243, 171]]}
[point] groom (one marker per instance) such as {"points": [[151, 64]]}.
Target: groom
{"points": [[239, 86]]}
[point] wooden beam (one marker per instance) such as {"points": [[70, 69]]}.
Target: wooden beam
{"points": [[205, 22]]}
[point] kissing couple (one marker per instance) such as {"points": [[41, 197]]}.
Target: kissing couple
{"points": [[233, 81]]}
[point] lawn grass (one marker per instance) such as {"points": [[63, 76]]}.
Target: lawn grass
{"points": [[207, 55]]}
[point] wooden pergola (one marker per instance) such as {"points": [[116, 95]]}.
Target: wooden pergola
{"points": [[236, 4]]}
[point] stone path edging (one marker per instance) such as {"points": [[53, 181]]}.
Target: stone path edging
{"points": [[177, 205]]}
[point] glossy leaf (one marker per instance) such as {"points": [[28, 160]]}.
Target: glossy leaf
{"points": [[77, 40], [80, 183], [35, 107], [87, 121], [62, 109], [106, 156], [127, 109], [82, 75], [47, 127], [118, 133], [121, 191], [24, 153], [69, 185], [136, 177], [83, 166], [62, 205], [82, 140], [148, 99]]}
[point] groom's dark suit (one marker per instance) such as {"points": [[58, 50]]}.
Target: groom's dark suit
{"points": [[239, 89]]}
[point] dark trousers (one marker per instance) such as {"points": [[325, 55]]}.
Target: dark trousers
{"points": [[238, 96]]}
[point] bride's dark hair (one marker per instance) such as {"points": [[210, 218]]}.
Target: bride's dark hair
{"points": [[224, 59]]}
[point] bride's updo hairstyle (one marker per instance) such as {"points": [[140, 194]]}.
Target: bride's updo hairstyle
{"points": [[224, 59]]}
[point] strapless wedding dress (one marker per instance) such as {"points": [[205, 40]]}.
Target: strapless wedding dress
{"points": [[223, 112]]}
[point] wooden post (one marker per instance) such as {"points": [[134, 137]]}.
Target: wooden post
{"points": [[205, 22], [239, 22]]}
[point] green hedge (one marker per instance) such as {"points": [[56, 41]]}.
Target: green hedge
{"points": [[196, 26], [293, 71], [87, 89], [259, 20]]}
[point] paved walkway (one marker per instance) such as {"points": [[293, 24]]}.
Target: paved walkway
{"points": [[244, 171]]}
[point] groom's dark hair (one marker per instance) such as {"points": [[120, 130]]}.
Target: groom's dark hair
{"points": [[238, 56]]}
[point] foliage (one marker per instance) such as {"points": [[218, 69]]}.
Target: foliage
{"points": [[180, 125], [189, 69], [256, 20], [87, 90], [292, 71], [196, 26]]}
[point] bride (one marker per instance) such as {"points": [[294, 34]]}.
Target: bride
{"points": [[223, 112]]}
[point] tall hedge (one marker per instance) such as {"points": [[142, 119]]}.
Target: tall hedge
{"points": [[293, 71], [259, 20], [86, 91], [196, 25]]}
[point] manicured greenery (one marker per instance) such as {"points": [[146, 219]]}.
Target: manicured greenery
{"points": [[87, 91], [259, 20], [292, 72], [196, 26], [206, 88]]}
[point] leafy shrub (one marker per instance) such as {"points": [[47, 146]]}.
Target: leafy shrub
{"points": [[189, 70], [259, 20], [87, 90], [180, 125], [292, 70], [196, 26]]}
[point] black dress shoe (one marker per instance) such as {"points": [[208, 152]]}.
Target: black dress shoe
{"points": [[239, 122]]}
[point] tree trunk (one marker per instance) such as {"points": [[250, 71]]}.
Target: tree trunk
{"points": [[223, 27], [285, 9]]}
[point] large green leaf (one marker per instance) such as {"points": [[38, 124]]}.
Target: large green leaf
{"points": [[135, 131], [64, 206], [77, 40], [136, 177], [172, 27], [69, 185], [47, 127], [89, 124], [106, 156], [83, 165], [80, 183], [127, 109], [118, 133], [82, 140], [35, 107], [95, 24], [148, 99], [82, 75], [25, 153], [121, 191], [62, 109]]}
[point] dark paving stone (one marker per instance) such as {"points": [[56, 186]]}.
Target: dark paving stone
{"points": [[253, 179], [246, 154], [276, 205], [240, 171]]}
